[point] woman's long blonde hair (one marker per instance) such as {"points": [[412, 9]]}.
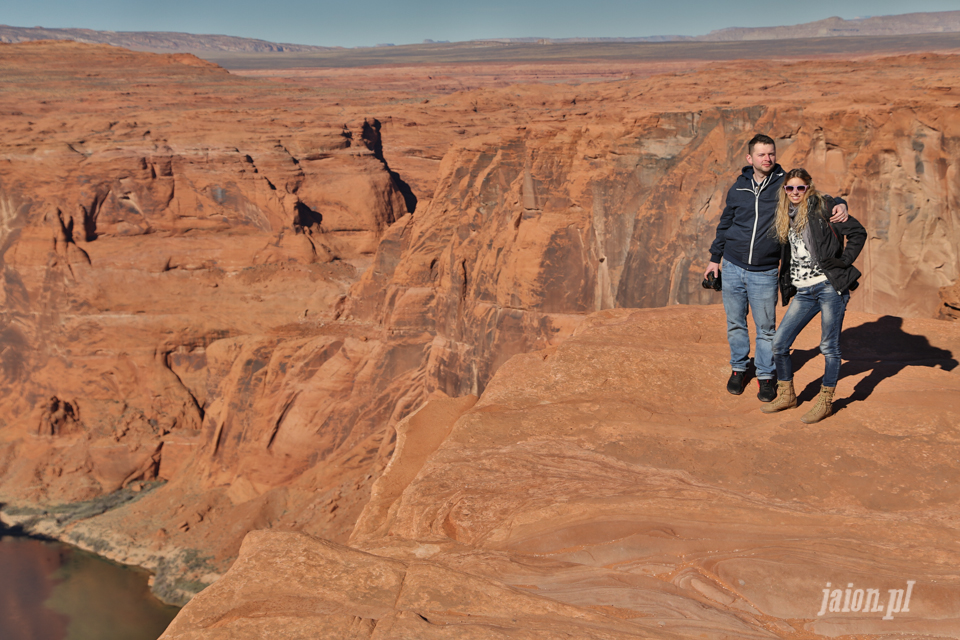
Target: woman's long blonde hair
{"points": [[811, 202]]}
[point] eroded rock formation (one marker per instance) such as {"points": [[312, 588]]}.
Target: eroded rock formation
{"points": [[601, 490], [241, 286], [154, 265]]}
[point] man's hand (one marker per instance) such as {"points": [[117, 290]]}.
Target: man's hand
{"points": [[714, 268], [839, 213]]}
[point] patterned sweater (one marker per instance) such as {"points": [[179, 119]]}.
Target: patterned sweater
{"points": [[804, 270]]}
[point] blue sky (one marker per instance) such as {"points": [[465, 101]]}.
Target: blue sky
{"points": [[351, 23]]}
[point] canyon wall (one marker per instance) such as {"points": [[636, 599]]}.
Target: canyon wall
{"points": [[157, 255], [221, 294], [599, 490]]}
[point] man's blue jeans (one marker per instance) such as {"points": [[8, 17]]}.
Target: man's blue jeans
{"points": [[809, 301], [754, 291]]}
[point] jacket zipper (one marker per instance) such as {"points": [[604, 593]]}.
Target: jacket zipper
{"points": [[756, 213]]}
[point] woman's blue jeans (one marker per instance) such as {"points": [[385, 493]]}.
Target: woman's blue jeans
{"points": [[820, 298]]}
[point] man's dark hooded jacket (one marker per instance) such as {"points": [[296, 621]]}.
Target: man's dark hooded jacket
{"points": [[744, 235]]}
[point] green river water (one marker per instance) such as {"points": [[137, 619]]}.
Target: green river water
{"points": [[50, 591]]}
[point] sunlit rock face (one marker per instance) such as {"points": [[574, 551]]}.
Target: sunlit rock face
{"points": [[162, 263], [598, 489], [239, 288]]}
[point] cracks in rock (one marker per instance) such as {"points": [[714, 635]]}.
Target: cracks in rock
{"points": [[305, 217], [347, 136], [396, 604], [253, 165], [283, 414], [63, 241], [403, 580], [295, 186], [59, 417], [80, 152], [463, 284], [164, 358], [89, 218], [146, 471], [371, 137], [90, 214], [217, 438], [66, 229]]}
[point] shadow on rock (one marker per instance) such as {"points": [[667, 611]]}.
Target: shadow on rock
{"points": [[5, 530], [881, 348]]}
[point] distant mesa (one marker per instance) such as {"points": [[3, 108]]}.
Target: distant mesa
{"points": [[166, 42], [155, 41], [899, 25]]}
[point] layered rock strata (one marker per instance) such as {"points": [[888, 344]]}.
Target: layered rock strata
{"points": [[611, 488], [221, 294], [157, 256]]}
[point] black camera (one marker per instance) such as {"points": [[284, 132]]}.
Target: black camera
{"points": [[711, 282]]}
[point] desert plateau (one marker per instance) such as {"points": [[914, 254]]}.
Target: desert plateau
{"points": [[420, 349]]}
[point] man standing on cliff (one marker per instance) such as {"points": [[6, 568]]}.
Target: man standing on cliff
{"points": [[750, 257]]}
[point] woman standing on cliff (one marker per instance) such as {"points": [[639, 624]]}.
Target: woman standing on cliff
{"points": [[817, 272]]}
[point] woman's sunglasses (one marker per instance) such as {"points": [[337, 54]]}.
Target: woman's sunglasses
{"points": [[800, 188]]}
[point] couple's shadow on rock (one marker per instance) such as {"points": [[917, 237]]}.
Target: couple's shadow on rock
{"points": [[881, 348]]}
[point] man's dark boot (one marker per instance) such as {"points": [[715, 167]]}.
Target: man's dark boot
{"points": [[737, 382], [768, 390]]}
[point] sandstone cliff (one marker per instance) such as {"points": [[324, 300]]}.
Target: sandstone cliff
{"points": [[611, 488], [157, 255], [221, 294]]}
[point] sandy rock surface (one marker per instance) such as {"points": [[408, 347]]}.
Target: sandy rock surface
{"points": [[222, 294], [612, 488]]}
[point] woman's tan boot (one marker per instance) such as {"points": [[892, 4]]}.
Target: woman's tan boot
{"points": [[822, 408], [786, 398]]}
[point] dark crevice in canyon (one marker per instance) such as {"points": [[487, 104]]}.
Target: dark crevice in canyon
{"points": [[371, 137]]}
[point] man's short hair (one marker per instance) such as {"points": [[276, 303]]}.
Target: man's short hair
{"points": [[759, 139]]}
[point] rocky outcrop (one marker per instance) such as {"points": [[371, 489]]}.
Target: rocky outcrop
{"points": [[242, 287], [950, 297], [578, 210], [319, 598], [610, 487], [154, 267]]}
